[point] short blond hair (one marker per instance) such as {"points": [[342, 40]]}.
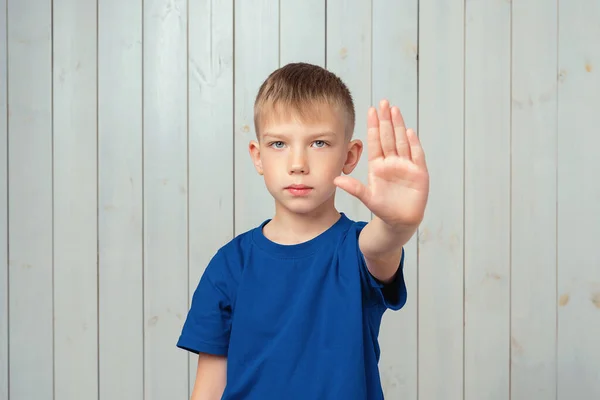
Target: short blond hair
{"points": [[301, 90]]}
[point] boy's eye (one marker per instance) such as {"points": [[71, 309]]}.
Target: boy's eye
{"points": [[277, 145], [320, 143]]}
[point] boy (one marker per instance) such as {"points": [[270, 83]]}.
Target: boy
{"points": [[291, 309]]}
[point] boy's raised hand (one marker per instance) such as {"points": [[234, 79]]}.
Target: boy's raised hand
{"points": [[398, 183]]}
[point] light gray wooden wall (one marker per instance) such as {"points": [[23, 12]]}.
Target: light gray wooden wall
{"points": [[123, 167]]}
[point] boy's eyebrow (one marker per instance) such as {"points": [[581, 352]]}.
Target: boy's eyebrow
{"points": [[312, 135]]}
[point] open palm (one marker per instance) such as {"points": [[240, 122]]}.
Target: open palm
{"points": [[398, 180]]}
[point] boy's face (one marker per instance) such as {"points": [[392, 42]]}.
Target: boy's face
{"points": [[299, 160]]}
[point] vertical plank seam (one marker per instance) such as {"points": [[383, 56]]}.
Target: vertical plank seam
{"points": [[463, 189], [97, 204], [52, 186], [371, 63], [187, 35], [233, 120], [418, 230], [510, 210], [7, 208], [142, 61], [463, 196], [556, 149], [325, 47], [279, 33]]}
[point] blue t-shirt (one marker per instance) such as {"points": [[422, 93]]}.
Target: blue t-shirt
{"points": [[295, 321]]}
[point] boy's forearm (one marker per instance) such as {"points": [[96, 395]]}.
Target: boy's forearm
{"points": [[381, 245], [211, 377]]}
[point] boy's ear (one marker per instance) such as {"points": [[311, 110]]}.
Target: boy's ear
{"points": [[355, 148], [254, 150]]}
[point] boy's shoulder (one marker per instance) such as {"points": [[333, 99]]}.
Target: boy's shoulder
{"points": [[237, 246]]}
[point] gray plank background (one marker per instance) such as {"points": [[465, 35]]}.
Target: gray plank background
{"points": [[124, 128]]}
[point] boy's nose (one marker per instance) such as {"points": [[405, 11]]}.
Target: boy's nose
{"points": [[298, 164]]}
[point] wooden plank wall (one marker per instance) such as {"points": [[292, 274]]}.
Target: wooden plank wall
{"points": [[3, 208], [30, 224], [124, 129], [533, 202]]}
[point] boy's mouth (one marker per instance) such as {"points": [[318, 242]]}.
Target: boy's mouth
{"points": [[298, 190], [298, 187]]}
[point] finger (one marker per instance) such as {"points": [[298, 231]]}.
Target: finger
{"points": [[353, 186], [373, 142], [402, 144], [386, 130], [418, 155]]}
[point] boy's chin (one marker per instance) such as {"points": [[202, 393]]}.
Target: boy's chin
{"points": [[301, 206]]}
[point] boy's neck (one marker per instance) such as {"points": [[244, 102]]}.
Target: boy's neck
{"points": [[290, 228]]}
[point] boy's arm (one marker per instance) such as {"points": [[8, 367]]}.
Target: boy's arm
{"points": [[397, 191], [381, 246], [211, 377]]}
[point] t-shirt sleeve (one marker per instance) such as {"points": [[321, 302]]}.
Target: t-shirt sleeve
{"points": [[208, 323], [390, 295]]}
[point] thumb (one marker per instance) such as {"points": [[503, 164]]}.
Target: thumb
{"points": [[353, 186]]}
